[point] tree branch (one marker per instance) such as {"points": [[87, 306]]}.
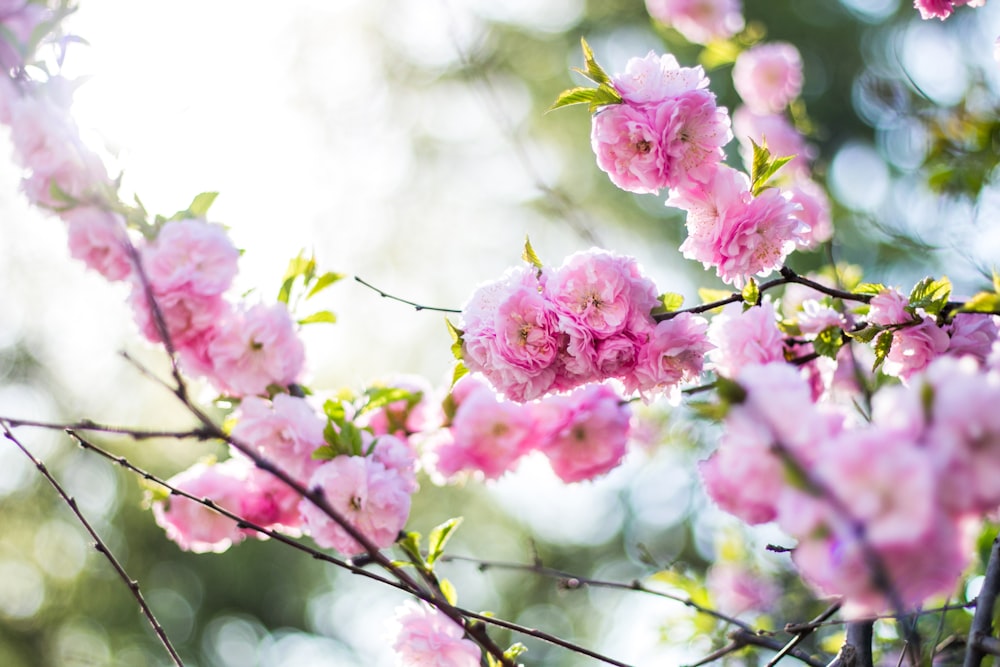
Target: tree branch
{"points": [[99, 545], [982, 620]]}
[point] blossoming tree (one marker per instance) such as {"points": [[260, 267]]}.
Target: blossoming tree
{"points": [[853, 418]]}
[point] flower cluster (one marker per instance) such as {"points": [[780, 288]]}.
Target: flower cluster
{"points": [[667, 132], [699, 21], [583, 434], [536, 331], [942, 9], [912, 479]]}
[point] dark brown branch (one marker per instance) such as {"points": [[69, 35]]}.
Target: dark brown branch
{"points": [[801, 635], [857, 648], [982, 620], [99, 545]]}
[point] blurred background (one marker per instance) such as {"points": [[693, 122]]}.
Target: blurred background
{"points": [[406, 143]]}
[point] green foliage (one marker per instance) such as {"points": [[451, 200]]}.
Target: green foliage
{"points": [[530, 256], [869, 289], [883, 344], [456, 340], [751, 293], [439, 537], [828, 342], [931, 295], [709, 295], [603, 95], [669, 302], [764, 166]]}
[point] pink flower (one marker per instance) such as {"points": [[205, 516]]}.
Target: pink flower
{"points": [[972, 334], [914, 347], [98, 238], [396, 454], [47, 143], [627, 142], [657, 78], [193, 526], [699, 21], [815, 317], [586, 432], [737, 233], [192, 256], [526, 334], [942, 9], [421, 412], [888, 307], [664, 144], [743, 338], [285, 431], [736, 589], [189, 317], [597, 289], [814, 212], [768, 76], [269, 503], [673, 354], [425, 637], [370, 497], [487, 435], [19, 20], [254, 348]]}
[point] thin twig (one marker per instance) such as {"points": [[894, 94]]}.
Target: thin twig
{"points": [[416, 306], [99, 545], [88, 425], [800, 636], [353, 567]]}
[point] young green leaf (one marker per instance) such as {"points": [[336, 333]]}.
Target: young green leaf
{"points": [[931, 295], [448, 590], [871, 289], [883, 344], [515, 651], [865, 335], [828, 342], [708, 295], [439, 538], [461, 370], [410, 543], [324, 453], [594, 71], [573, 96], [984, 302], [604, 95], [764, 166], [323, 282], [530, 256], [669, 302], [379, 397], [456, 339], [198, 208], [751, 293], [324, 316]]}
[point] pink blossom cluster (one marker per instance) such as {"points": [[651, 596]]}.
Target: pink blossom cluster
{"points": [[423, 636], [917, 339], [371, 492], [667, 132], [583, 434], [768, 76], [897, 494], [539, 331], [942, 9], [19, 19], [699, 21], [739, 234]]}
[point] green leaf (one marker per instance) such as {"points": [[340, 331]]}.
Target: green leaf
{"points": [[882, 346], [872, 289], [379, 397], [449, 592], [708, 295], [324, 453], [439, 538], [709, 411], [350, 435], [530, 256], [410, 543], [719, 53], [996, 281], [931, 295], [298, 267], [573, 96], [334, 410], [865, 335], [594, 71], [322, 316], [764, 166], [198, 208], [604, 95], [751, 293], [669, 302], [515, 651], [461, 370], [828, 342], [323, 282], [456, 339], [984, 302]]}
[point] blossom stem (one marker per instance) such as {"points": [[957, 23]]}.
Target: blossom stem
{"points": [[416, 306]]}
